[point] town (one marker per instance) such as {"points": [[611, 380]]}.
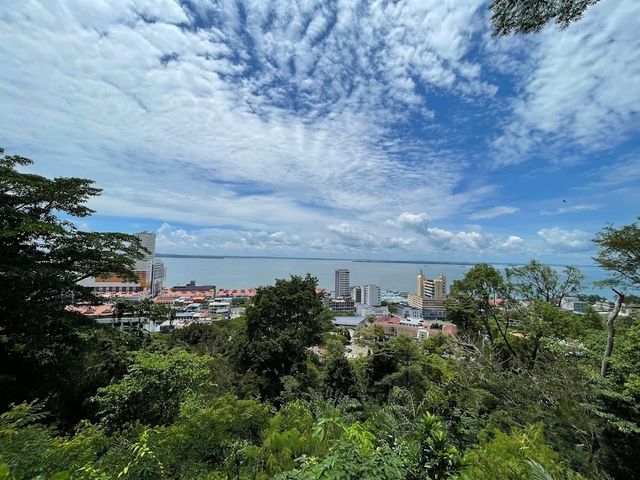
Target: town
{"points": [[361, 310]]}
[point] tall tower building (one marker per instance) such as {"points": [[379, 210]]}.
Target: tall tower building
{"points": [[434, 288], [342, 288], [371, 295]]}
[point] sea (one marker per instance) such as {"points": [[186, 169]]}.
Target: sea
{"points": [[241, 272]]}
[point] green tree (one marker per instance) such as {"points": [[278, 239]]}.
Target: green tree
{"points": [[42, 258], [530, 16], [619, 253], [339, 380], [502, 456], [282, 322], [537, 282], [479, 302], [152, 389]]}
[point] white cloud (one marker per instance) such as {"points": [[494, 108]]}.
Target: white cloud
{"points": [[474, 241], [410, 221], [350, 237], [581, 87], [190, 125], [493, 212], [569, 209], [571, 240]]}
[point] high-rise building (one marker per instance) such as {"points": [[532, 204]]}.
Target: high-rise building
{"points": [[430, 295], [434, 288], [342, 288], [356, 294], [150, 273], [371, 295]]}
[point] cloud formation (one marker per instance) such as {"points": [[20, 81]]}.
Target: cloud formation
{"points": [[493, 212], [566, 240], [345, 127]]}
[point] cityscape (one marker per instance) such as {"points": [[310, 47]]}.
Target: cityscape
{"points": [[320, 240], [416, 314]]}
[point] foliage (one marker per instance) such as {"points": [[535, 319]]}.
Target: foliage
{"points": [[619, 253], [537, 282], [42, 257], [282, 321], [506, 456], [152, 389], [530, 16]]}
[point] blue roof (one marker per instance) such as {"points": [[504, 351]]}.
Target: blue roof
{"points": [[348, 321]]}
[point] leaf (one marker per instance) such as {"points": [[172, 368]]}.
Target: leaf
{"points": [[538, 472]]}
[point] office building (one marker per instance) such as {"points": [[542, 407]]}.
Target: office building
{"points": [[356, 294], [371, 295], [429, 297], [150, 273], [342, 288]]}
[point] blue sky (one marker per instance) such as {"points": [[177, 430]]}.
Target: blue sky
{"points": [[352, 129]]}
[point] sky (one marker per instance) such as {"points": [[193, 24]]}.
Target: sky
{"points": [[345, 129]]}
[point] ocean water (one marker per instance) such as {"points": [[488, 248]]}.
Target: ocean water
{"points": [[233, 273]]}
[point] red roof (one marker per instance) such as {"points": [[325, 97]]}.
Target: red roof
{"points": [[389, 319]]}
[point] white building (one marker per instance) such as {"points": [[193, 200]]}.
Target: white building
{"points": [[574, 305], [342, 288], [365, 310], [371, 295]]}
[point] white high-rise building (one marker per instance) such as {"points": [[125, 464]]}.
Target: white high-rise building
{"points": [[370, 295], [342, 288]]}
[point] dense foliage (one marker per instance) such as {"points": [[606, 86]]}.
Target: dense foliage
{"points": [[518, 395]]}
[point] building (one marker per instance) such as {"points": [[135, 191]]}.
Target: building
{"points": [[574, 305], [348, 322], [405, 310], [342, 288], [356, 294], [150, 273], [434, 288], [341, 305], [371, 295], [365, 310], [193, 287], [429, 297]]}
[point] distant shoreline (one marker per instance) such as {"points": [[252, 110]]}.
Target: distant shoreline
{"points": [[417, 262]]}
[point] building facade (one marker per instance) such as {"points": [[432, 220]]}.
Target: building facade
{"points": [[150, 273], [342, 287], [429, 297], [371, 295]]}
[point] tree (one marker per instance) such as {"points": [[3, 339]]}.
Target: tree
{"points": [[619, 253], [282, 322], [339, 380], [474, 301], [530, 16], [543, 283], [42, 258], [152, 389]]}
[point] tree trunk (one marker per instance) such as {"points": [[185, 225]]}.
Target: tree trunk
{"points": [[611, 332]]}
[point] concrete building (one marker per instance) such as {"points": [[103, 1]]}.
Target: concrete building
{"points": [[405, 310], [365, 310], [371, 295], [341, 305], [429, 297], [434, 288], [574, 305], [342, 288], [356, 294], [150, 273]]}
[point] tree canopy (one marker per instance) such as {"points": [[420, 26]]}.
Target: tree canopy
{"points": [[530, 16]]}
